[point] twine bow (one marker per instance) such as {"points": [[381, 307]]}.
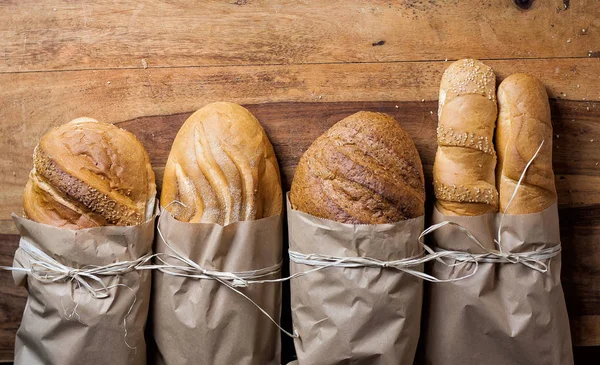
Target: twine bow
{"points": [[46, 269], [535, 260], [232, 280]]}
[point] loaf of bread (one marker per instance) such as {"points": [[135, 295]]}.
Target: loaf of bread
{"points": [[363, 170], [88, 174], [221, 168], [523, 123], [463, 170]]}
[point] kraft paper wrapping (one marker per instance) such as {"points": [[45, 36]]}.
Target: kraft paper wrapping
{"points": [[201, 321], [356, 316], [63, 324], [505, 313]]}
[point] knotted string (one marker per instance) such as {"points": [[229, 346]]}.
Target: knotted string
{"points": [[46, 269], [231, 280], [406, 265], [535, 260]]}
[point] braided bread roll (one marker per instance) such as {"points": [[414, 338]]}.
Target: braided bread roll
{"points": [[222, 168], [523, 123], [463, 170]]}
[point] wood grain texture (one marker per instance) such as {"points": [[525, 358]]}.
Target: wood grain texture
{"points": [[12, 298], [61, 35], [32, 103], [299, 66]]}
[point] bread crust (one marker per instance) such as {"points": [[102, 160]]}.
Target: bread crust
{"points": [[363, 170], [463, 170], [222, 168], [524, 121], [89, 174]]}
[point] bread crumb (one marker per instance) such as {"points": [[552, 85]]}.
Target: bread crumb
{"points": [[108, 82], [591, 140], [569, 40], [587, 108], [422, 100], [431, 112], [446, 60], [396, 106], [578, 86], [144, 63]]}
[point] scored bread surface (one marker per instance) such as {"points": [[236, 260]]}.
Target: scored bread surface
{"points": [[363, 170], [89, 174], [221, 168]]}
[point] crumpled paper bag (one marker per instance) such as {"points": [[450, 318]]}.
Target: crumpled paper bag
{"points": [[63, 324], [357, 316], [505, 313], [201, 321]]}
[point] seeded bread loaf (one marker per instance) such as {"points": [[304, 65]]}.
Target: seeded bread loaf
{"points": [[88, 174], [221, 168], [363, 170], [523, 123], [463, 170]]}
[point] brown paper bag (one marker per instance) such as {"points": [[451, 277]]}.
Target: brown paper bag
{"points": [[202, 321], [62, 323], [360, 315], [506, 313]]}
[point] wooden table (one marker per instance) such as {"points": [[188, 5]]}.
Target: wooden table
{"points": [[299, 66]]}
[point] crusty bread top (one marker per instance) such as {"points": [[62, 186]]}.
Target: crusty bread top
{"points": [[464, 165], [222, 168], [87, 174], [363, 170], [523, 123]]}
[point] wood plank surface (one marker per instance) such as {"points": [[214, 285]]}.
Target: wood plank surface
{"points": [[55, 35], [299, 66], [32, 103]]}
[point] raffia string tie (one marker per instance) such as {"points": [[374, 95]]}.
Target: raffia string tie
{"points": [[46, 269], [408, 265], [536, 260], [232, 280]]}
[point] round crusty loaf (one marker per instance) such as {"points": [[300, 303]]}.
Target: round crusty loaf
{"points": [[363, 170], [222, 168], [523, 123], [463, 170], [88, 174]]}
